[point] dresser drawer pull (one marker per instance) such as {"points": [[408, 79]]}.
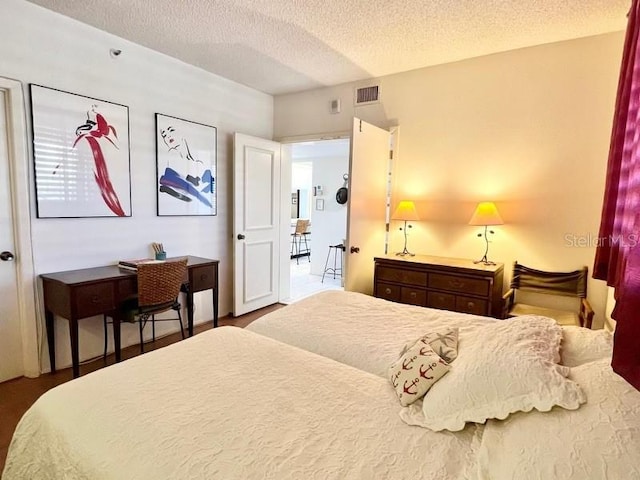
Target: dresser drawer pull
{"points": [[413, 295], [387, 291], [456, 283], [204, 277], [95, 299], [471, 305]]}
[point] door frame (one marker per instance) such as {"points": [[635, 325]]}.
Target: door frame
{"points": [[19, 194], [285, 194]]}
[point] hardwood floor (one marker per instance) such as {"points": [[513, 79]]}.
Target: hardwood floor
{"points": [[17, 395]]}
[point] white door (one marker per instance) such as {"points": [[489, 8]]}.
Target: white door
{"points": [[366, 217], [256, 223], [11, 355]]}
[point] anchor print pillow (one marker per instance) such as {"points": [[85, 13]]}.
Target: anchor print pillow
{"points": [[413, 374], [444, 343]]}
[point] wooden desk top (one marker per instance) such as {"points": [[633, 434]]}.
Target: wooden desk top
{"points": [[95, 274]]}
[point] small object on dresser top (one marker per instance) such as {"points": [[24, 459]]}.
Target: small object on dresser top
{"points": [[133, 264]]}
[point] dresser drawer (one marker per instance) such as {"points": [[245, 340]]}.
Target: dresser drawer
{"points": [[407, 277], [202, 278], [388, 291], [471, 305], [443, 301], [94, 299], [413, 296], [454, 283]]}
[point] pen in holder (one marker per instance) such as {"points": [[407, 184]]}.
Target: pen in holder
{"points": [[159, 251]]}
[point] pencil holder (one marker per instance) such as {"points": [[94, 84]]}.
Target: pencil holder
{"points": [[161, 255]]}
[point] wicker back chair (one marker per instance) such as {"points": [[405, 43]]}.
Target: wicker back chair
{"points": [[158, 290], [299, 244]]}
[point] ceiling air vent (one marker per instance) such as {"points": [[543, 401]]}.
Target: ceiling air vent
{"points": [[367, 95]]}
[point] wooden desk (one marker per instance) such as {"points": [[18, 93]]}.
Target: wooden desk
{"points": [[78, 294]]}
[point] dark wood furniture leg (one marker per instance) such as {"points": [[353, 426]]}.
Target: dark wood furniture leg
{"points": [[51, 339], [215, 307], [116, 336], [75, 355], [190, 310]]}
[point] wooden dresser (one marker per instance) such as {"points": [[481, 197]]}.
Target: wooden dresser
{"points": [[447, 283]]}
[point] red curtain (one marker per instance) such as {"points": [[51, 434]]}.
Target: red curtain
{"points": [[618, 254]]}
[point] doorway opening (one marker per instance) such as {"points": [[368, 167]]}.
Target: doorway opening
{"points": [[318, 170]]}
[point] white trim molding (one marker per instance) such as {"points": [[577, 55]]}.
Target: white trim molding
{"points": [[20, 187]]}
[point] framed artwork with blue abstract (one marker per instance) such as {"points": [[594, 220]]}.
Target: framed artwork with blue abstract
{"points": [[186, 167]]}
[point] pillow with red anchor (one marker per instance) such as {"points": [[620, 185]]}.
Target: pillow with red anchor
{"points": [[444, 343], [413, 374]]}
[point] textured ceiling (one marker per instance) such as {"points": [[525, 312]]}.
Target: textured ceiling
{"points": [[282, 46]]}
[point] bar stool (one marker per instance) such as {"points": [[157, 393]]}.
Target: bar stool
{"points": [[298, 238], [335, 270]]}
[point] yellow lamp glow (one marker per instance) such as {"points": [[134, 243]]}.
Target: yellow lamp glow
{"points": [[486, 214], [406, 211]]}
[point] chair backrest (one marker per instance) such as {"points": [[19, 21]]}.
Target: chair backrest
{"points": [[570, 284], [301, 226], [160, 283]]}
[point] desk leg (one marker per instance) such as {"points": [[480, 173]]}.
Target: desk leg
{"points": [[75, 356], [51, 339], [190, 311], [116, 337], [215, 307]]}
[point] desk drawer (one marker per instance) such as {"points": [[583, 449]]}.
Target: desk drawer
{"points": [[409, 277], [202, 278], [94, 299], [452, 283], [471, 305], [388, 291], [443, 301]]}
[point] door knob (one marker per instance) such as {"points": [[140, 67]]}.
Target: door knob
{"points": [[7, 256], [354, 249], [240, 236]]}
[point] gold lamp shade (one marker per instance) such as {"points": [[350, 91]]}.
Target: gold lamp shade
{"points": [[486, 214], [406, 210]]}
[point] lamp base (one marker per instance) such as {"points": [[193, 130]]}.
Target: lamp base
{"points": [[484, 261], [405, 253]]}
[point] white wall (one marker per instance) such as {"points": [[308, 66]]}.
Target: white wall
{"points": [[528, 129], [41, 47]]}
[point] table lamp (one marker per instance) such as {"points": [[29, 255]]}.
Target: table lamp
{"points": [[486, 214], [405, 211]]}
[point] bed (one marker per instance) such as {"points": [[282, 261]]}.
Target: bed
{"points": [[230, 404], [305, 393], [598, 437], [368, 333]]}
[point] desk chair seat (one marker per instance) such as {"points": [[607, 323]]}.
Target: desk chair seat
{"points": [[158, 290]]}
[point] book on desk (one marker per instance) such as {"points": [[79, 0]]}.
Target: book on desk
{"points": [[133, 264]]}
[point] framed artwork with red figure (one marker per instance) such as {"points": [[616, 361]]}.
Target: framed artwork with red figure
{"points": [[186, 167], [81, 155]]}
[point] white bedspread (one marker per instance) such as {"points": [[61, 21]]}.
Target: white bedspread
{"points": [[368, 333], [230, 404], [359, 330]]}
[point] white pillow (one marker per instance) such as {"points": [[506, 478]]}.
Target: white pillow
{"points": [[444, 343], [502, 368], [414, 373], [581, 345], [601, 440]]}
